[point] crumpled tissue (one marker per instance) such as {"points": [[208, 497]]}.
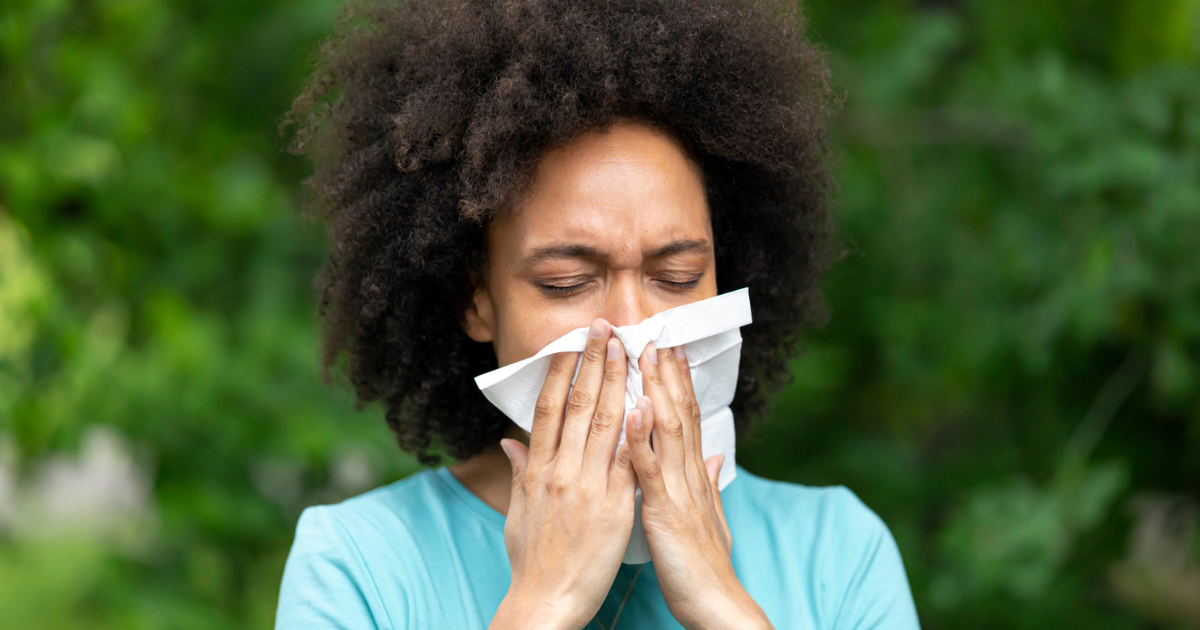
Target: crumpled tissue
{"points": [[709, 332]]}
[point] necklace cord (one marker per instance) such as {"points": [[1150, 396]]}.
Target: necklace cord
{"points": [[621, 608]]}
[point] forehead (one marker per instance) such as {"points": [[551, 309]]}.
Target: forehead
{"points": [[626, 190]]}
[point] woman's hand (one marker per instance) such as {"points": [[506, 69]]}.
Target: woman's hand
{"points": [[685, 525], [571, 510]]}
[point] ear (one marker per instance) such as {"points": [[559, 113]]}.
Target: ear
{"points": [[479, 318]]}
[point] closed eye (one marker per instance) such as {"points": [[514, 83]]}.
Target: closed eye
{"points": [[569, 289], [688, 284], [558, 289]]}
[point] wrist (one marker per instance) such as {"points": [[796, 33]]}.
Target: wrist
{"points": [[730, 617], [520, 611], [745, 613], [732, 608]]}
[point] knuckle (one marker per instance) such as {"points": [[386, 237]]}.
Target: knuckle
{"points": [[544, 410], [652, 471], [603, 421], [594, 352], [579, 401], [672, 427], [688, 406], [655, 379], [557, 485], [560, 365], [614, 376]]}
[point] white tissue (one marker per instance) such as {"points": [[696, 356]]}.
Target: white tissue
{"points": [[708, 331]]}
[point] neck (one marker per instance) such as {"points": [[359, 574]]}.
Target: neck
{"points": [[488, 475]]}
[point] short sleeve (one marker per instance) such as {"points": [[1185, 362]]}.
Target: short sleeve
{"points": [[323, 585], [871, 590]]}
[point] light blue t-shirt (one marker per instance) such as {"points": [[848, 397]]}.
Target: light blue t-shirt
{"points": [[425, 553]]}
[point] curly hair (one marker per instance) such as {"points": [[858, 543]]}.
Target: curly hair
{"points": [[425, 118]]}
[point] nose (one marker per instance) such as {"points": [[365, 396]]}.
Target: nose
{"points": [[626, 303]]}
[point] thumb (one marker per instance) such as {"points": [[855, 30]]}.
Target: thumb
{"points": [[638, 427], [713, 464], [518, 457]]}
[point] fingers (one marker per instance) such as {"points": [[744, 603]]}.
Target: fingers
{"points": [[681, 363], [548, 411], [669, 426], [688, 410], [638, 427], [581, 403], [610, 411], [685, 377]]}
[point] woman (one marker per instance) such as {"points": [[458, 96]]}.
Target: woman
{"points": [[495, 173]]}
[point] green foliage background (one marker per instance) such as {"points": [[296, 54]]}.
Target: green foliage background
{"points": [[1010, 375]]}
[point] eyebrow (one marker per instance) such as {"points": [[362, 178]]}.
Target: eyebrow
{"points": [[573, 250], [698, 246]]}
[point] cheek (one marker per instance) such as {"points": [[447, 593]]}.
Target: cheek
{"points": [[525, 330], [709, 284]]}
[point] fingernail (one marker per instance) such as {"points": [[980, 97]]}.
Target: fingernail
{"points": [[679, 352], [636, 416], [507, 453], [614, 349], [643, 403], [597, 330], [653, 353]]}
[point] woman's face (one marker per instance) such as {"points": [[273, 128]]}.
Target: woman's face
{"points": [[614, 226]]}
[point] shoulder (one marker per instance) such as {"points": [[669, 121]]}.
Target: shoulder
{"points": [[418, 513], [342, 552], [826, 537], [832, 510], [402, 504], [359, 527]]}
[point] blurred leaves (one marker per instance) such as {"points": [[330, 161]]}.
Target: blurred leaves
{"points": [[1014, 342], [1013, 539], [1161, 573], [155, 281], [1013, 353], [23, 293]]}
